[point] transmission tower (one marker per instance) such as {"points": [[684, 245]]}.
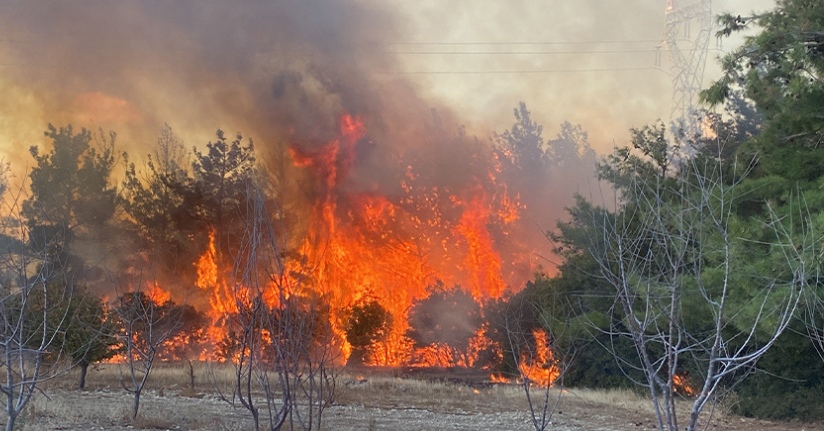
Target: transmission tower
{"points": [[689, 57]]}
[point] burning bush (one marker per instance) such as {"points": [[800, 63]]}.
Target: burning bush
{"points": [[445, 320], [159, 324], [511, 322]]}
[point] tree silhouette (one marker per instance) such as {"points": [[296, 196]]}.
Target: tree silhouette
{"points": [[369, 323]]}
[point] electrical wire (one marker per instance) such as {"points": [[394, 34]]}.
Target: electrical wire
{"points": [[521, 52], [536, 71], [597, 42]]}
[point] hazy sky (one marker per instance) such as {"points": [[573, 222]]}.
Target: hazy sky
{"points": [[606, 103], [133, 65]]}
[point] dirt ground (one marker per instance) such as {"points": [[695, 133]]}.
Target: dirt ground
{"points": [[379, 401]]}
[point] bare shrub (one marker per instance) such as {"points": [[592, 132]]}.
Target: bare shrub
{"points": [[279, 341], [147, 323], [683, 290], [35, 292]]}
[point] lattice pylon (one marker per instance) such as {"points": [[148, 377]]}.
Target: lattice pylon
{"points": [[689, 57]]}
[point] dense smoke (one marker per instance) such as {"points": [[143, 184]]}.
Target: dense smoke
{"points": [[280, 72], [266, 68]]}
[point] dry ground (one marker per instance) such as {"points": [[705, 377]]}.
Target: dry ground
{"points": [[368, 400]]}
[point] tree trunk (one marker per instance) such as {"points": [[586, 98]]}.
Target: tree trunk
{"points": [[356, 357], [10, 423], [191, 375], [256, 419], [136, 403], [84, 367]]}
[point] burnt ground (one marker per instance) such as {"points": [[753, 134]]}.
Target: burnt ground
{"points": [[369, 399]]}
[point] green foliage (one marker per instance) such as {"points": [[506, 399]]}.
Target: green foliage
{"points": [[788, 384], [780, 69], [684, 226], [222, 176], [75, 324], [90, 335], [36, 314], [163, 207], [595, 366], [70, 185], [649, 155], [71, 195], [523, 145]]}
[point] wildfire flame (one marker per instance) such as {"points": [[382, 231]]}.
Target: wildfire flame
{"points": [[389, 247], [207, 266], [540, 369], [157, 295], [681, 384], [221, 301], [499, 378]]}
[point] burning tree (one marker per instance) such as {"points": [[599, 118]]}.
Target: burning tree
{"points": [[686, 292], [221, 181], [536, 345], [278, 335]]}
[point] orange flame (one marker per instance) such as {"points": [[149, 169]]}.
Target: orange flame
{"points": [[361, 242], [499, 378], [389, 246], [681, 384], [539, 369], [482, 261], [157, 295], [207, 266]]}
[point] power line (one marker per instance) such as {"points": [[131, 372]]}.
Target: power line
{"points": [[433, 72], [534, 71], [495, 52], [598, 42], [7, 38], [526, 52]]}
